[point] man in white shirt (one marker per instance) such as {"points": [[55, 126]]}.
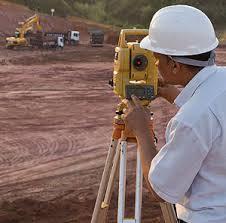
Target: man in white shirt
{"points": [[190, 169]]}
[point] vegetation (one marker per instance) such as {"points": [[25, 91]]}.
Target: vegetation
{"points": [[62, 8], [125, 13]]}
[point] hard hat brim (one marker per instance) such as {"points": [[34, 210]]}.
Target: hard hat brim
{"points": [[147, 44]]}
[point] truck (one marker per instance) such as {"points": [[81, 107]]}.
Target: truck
{"points": [[70, 37], [96, 38], [39, 40]]}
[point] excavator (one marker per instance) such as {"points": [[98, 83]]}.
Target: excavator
{"points": [[22, 32]]}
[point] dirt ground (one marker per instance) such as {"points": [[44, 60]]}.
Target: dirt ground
{"points": [[56, 112]]}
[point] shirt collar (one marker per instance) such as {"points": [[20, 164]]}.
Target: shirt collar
{"points": [[193, 84]]}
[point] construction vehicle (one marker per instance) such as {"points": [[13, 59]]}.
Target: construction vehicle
{"points": [[96, 37], [39, 40], [70, 37], [21, 34]]}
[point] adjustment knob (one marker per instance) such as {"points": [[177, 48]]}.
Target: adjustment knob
{"points": [[110, 82], [119, 112]]}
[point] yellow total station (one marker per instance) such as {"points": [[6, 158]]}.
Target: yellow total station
{"points": [[135, 72]]}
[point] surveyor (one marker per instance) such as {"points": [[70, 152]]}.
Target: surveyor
{"points": [[190, 169]]}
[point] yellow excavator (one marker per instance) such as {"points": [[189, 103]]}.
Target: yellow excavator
{"points": [[25, 28]]}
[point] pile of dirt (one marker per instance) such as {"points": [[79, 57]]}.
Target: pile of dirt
{"points": [[112, 37], [11, 14]]}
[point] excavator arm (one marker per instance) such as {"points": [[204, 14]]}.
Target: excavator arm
{"points": [[28, 25], [25, 27]]}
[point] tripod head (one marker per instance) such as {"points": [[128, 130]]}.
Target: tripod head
{"points": [[134, 70]]}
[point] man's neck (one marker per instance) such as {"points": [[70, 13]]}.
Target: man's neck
{"points": [[189, 73]]}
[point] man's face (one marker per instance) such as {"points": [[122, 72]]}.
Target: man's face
{"points": [[166, 68]]}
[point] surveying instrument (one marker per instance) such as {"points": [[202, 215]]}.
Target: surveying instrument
{"points": [[135, 73]]}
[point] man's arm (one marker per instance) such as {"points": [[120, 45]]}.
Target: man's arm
{"points": [[147, 151], [138, 119]]}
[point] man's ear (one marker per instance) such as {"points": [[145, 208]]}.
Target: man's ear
{"points": [[176, 67]]}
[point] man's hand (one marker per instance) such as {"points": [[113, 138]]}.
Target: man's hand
{"points": [[167, 91], [136, 116]]}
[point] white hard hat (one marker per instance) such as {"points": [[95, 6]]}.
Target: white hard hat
{"points": [[180, 30]]}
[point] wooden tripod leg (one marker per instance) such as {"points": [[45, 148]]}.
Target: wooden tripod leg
{"points": [[105, 204], [168, 213], [104, 180]]}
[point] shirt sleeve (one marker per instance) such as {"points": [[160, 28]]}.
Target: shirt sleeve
{"points": [[175, 166]]}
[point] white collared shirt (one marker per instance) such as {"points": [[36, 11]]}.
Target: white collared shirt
{"points": [[190, 169]]}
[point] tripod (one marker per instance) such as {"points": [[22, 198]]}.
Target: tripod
{"points": [[116, 158]]}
